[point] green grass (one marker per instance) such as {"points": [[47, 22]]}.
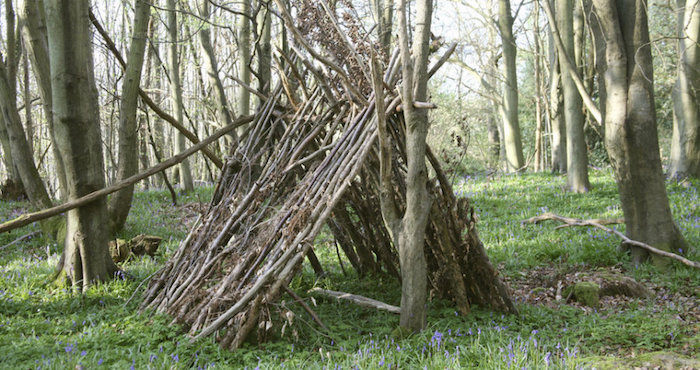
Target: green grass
{"points": [[44, 326]]}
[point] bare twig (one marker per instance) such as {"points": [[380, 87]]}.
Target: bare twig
{"points": [[625, 239]]}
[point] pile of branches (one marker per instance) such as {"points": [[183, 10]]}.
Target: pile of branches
{"points": [[309, 159]]}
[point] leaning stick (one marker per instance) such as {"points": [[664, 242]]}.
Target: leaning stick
{"points": [[357, 299], [625, 239], [305, 306], [49, 212]]}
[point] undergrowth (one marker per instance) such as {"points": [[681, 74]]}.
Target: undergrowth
{"points": [[43, 326]]}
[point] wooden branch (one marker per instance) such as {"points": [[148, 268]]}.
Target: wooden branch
{"points": [[625, 239], [46, 213], [306, 307], [146, 99], [20, 239], [357, 299], [419, 105], [444, 58]]}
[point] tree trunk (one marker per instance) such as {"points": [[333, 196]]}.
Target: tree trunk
{"points": [[576, 154], [244, 61], [685, 144], [33, 23], [511, 128], [176, 94], [630, 127], [120, 203], [264, 51], [539, 93], [28, 121], [22, 157], [384, 10], [224, 113], [12, 173], [20, 152], [556, 114], [77, 132], [414, 221]]}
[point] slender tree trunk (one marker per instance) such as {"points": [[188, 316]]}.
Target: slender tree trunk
{"points": [[120, 203], [224, 112], [577, 156], [415, 218], [511, 128], [384, 10], [539, 124], [4, 136], [264, 51], [630, 120], [556, 114], [685, 144], [176, 94], [28, 121], [33, 23], [22, 156], [244, 60], [77, 132]]}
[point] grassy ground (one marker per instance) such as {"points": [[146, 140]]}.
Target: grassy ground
{"points": [[42, 325]]}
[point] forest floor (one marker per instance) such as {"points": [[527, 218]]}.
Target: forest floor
{"points": [[42, 325]]}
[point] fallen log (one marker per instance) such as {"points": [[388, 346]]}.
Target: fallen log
{"points": [[358, 300], [625, 240]]}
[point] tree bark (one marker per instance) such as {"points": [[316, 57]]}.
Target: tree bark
{"points": [[33, 23], [539, 93], [509, 113], [576, 154], [384, 10], [19, 150], [4, 136], [120, 203], [176, 94], [556, 116], [244, 60], [685, 143], [77, 132], [415, 218], [22, 157], [630, 127], [264, 51]]}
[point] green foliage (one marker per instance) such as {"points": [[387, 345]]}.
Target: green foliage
{"points": [[44, 326]]}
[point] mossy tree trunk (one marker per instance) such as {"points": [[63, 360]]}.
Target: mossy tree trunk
{"points": [[120, 203], [21, 154], [77, 132], [35, 39], [630, 126]]}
